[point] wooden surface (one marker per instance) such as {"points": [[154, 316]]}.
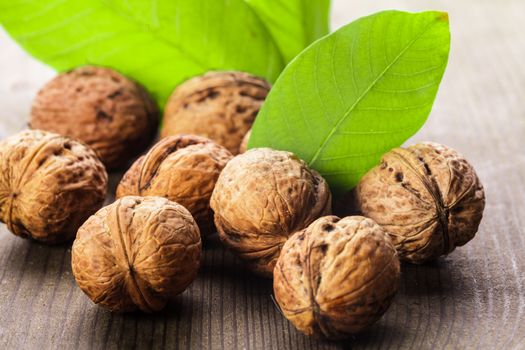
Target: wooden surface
{"points": [[474, 298]]}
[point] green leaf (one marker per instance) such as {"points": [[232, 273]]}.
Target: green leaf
{"points": [[160, 43], [294, 24], [357, 93]]}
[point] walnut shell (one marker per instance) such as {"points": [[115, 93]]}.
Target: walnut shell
{"points": [[136, 254], [262, 197], [336, 277], [219, 105], [112, 114], [182, 168], [427, 197], [49, 185]]}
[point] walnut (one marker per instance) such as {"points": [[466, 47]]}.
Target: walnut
{"points": [[49, 184], [136, 253], [262, 197], [182, 168], [219, 105], [110, 113], [427, 196], [244, 144], [336, 277]]}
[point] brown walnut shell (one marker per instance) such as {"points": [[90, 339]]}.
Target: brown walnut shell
{"points": [[182, 168], [110, 113], [219, 105], [49, 185], [136, 253], [336, 277], [427, 197], [262, 197]]}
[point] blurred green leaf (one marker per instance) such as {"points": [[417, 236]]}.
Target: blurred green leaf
{"points": [[294, 24], [159, 43]]}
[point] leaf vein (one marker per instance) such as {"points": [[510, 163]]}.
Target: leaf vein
{"points": [[353, 106]]}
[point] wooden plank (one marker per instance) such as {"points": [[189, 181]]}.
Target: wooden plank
{"points": [[474, 298]]}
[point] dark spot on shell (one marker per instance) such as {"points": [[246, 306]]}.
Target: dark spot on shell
{"points": [[427, 169], [399, 176], [209, 94], [390, 169], [115, 94], [79, 89], [213, 94], [328, 228], [86, 73], [457, 209], [185, 106], [240, 109], [290, 190], [57, 152], [257, 97], [115, 79], [103, 116], [67, 146], [323, 248]]}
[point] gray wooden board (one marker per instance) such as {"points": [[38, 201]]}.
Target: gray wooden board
{"points": [[474, 298]]}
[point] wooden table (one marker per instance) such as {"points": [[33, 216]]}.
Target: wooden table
{"points": [[474, 298]]}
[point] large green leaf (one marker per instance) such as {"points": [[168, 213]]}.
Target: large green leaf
{"points": [[160, 43], [294, 24], [356, 93]]}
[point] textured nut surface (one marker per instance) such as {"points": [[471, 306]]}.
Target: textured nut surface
{"points": [[219, 105], [262, 197], [136, 253], [427, 197], [110, 113], [49, 184], [336, 277], [182, 168]]}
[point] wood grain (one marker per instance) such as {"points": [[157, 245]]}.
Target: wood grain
{"points": [[474, 298]]}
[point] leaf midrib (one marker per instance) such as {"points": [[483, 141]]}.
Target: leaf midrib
{"points": [[365, 92]]}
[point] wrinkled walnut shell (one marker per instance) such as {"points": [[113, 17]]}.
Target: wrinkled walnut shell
{"points": [[336, 277], [261, 198], [219, 105], [136, 254], [110, 113], [49, 185], [427, 197], [182, 168]]}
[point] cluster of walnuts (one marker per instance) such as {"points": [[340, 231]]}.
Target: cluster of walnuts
{"points": [[332, 276]]}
